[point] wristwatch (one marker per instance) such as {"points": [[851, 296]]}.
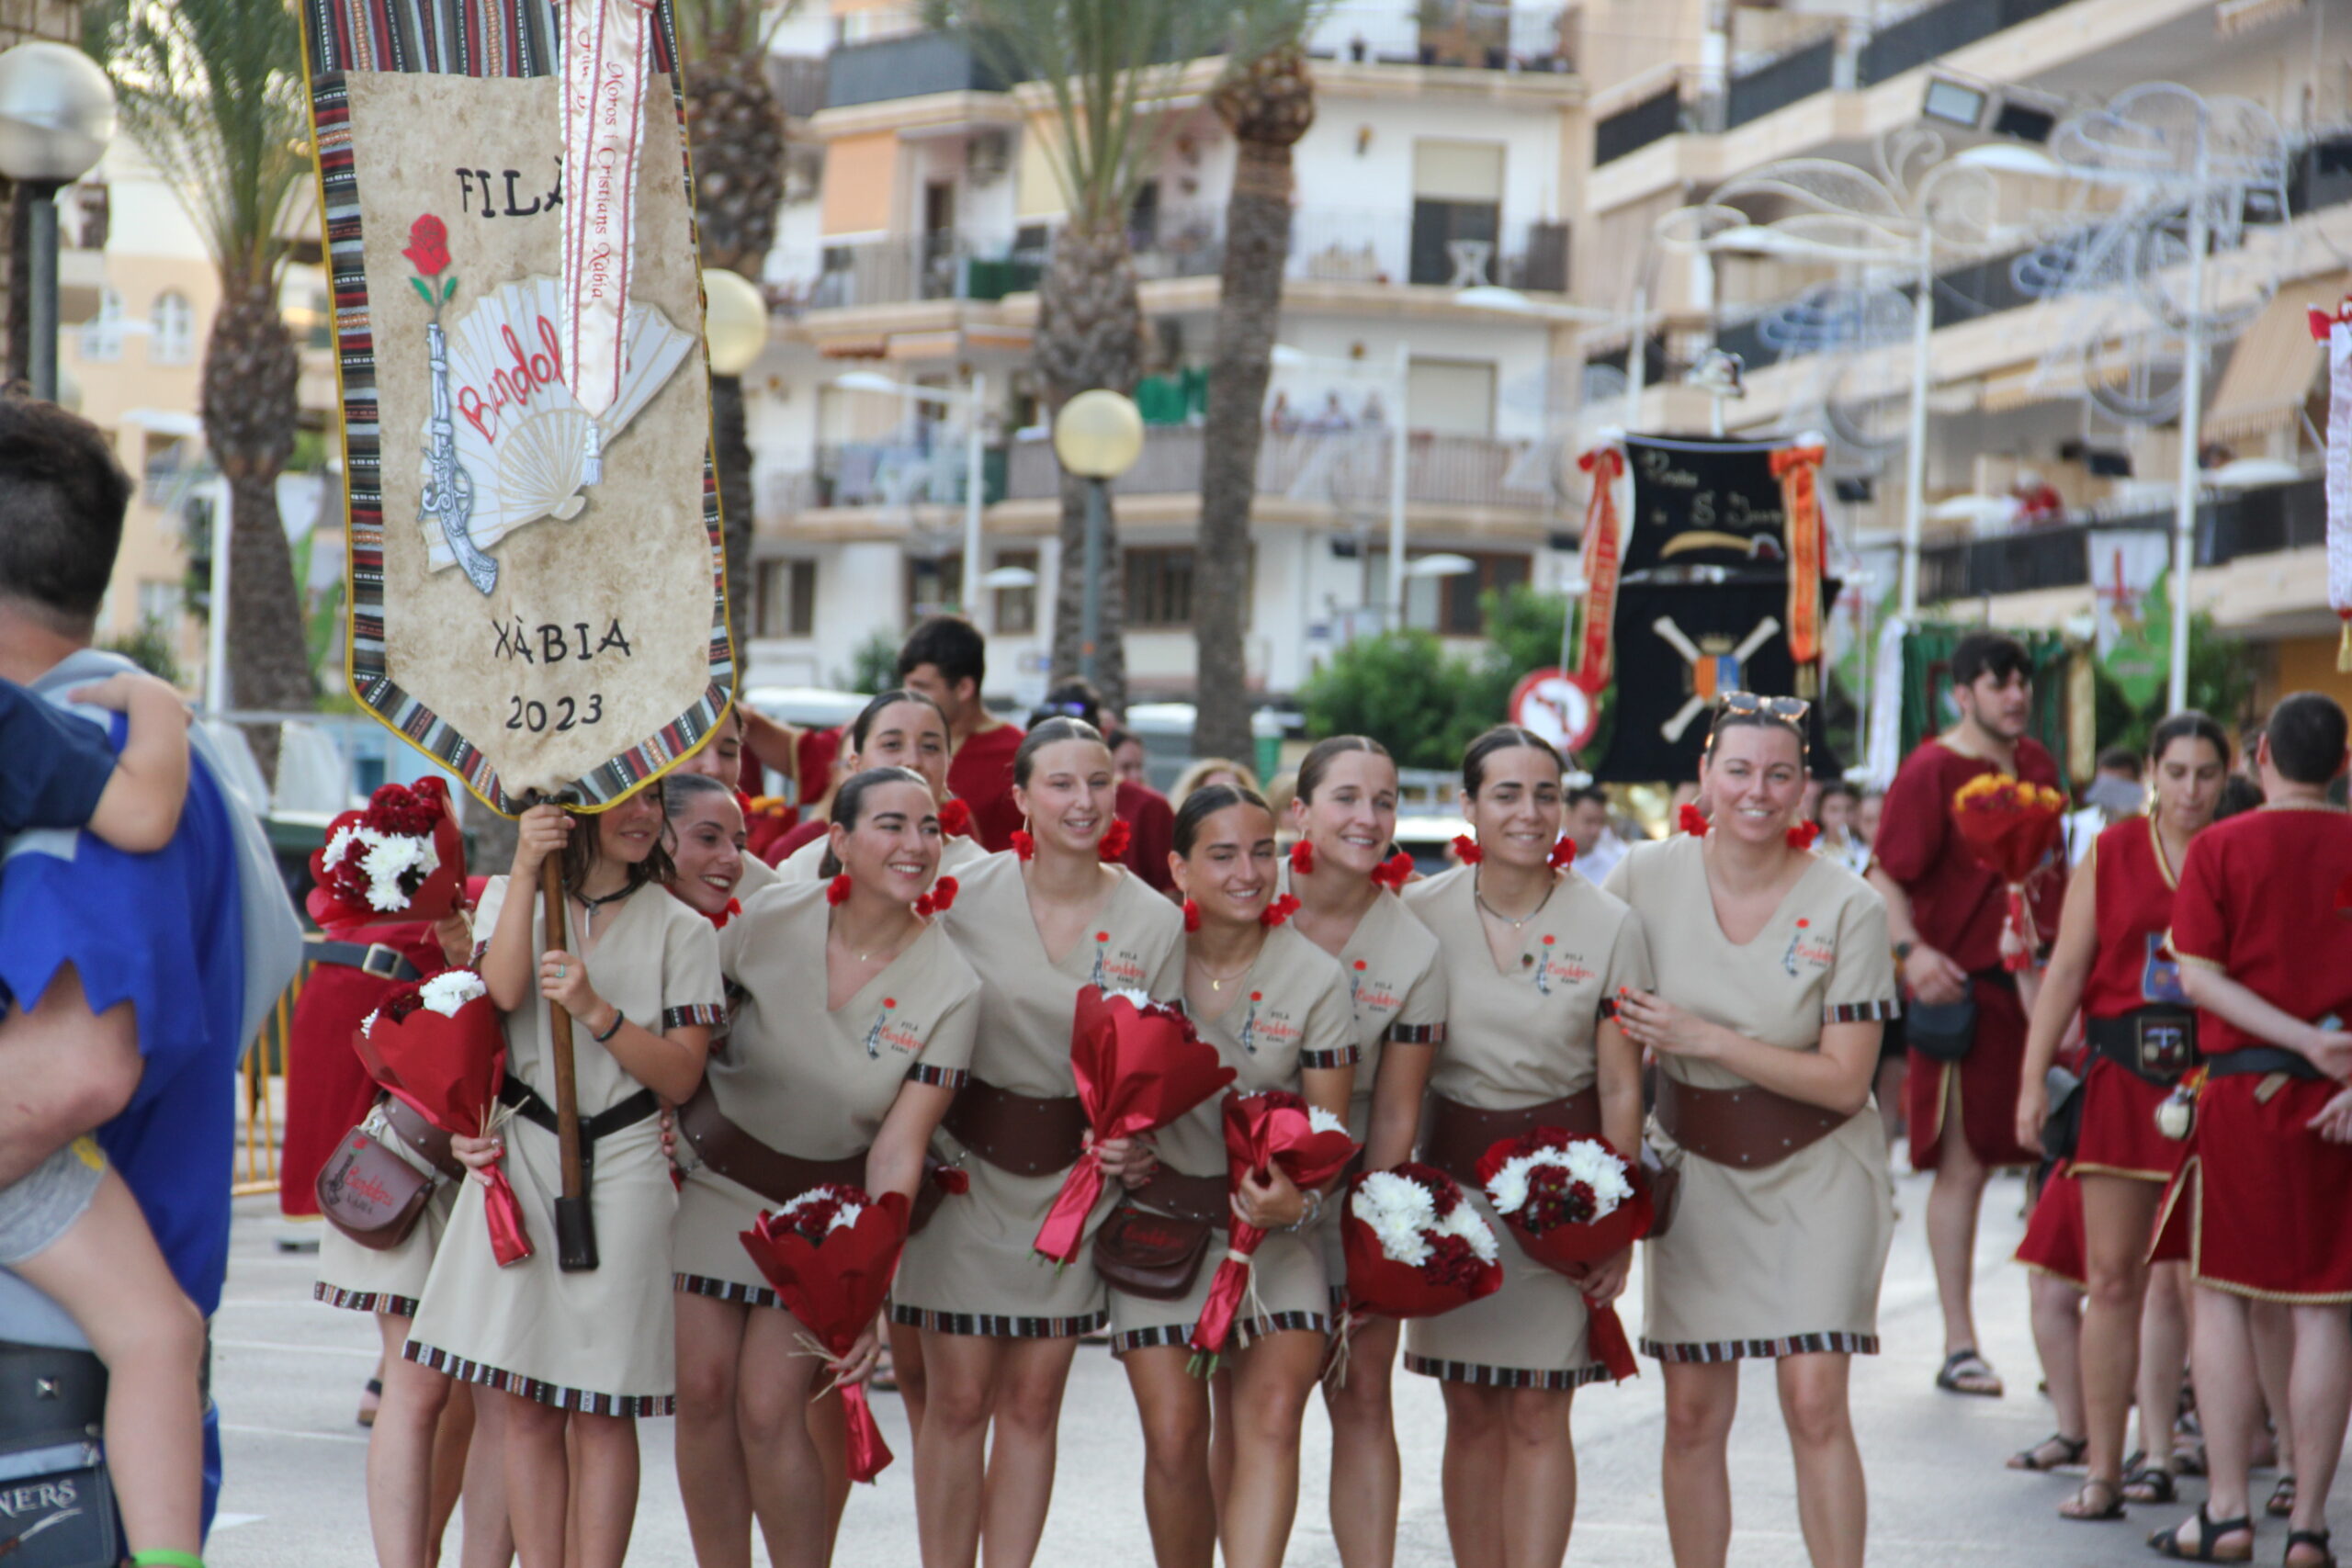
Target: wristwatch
{"points": [[1903, 951]]}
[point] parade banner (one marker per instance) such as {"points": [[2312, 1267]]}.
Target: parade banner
{"points": [[535, 583], [1678, 647], [2132, 634], [1704, 503]]}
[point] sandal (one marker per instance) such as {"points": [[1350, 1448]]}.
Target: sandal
{"points": [[2317, 1540], [2079, 1507], [2282, 1499], [2037, 1458], [2146, 1483], [1965, 1371], [885, 1379], [2166, 1542], [371, 1401]]}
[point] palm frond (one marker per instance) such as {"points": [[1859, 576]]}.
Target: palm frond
{"points": [[211, 90]]}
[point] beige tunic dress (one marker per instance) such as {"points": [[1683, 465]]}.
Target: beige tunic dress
{"points": [[1785, 1259], [957, 854], [974, 1269], [1396, 993], [807, 1082], [360, 1279], [1518, 1037], [598, 1341], [757, 876], [1291, 1014]]}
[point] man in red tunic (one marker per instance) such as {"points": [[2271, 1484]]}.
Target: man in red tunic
{"points": [[2262, 924], [945, 659], [1945, 911]]}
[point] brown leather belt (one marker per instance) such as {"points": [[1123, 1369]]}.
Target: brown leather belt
{"points": [[1459, 1134], [734, 1153], [1018, 1133], [429, 1142], [1746, 1128], [1202, 1199]]}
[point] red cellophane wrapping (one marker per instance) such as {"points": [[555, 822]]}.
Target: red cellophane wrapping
{"points": [[834, 1286], [1137, 1069], [1454, 1276], [1271, 1128], [2011, 826], [449, 1070], [1565, 1245], [339, 896]]}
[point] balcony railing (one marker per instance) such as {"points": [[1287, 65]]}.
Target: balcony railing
{"points": [[1348, 470], [1937, 30], [919, 472], [2229, 528], [907, 66], [891, 272]]}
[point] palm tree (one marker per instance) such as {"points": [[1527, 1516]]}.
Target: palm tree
{"points": [[1266, 98], [1107, 69], [211, 90], [735, 128]]}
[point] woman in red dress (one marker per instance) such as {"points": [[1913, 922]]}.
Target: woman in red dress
{"points": [[2110, 959]]}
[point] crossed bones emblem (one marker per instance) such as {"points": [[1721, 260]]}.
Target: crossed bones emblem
{"points": [[1710, 673]]}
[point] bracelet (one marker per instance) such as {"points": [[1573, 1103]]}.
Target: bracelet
{"points": [[611, 1030], [1314, 1209]]}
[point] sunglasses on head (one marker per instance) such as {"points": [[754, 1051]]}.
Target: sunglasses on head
{"points": [[1789, 710]]}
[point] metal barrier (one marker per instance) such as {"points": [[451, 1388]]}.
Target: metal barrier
{"points": [[263, 1070]]}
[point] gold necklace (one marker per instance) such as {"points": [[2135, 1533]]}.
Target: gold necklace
{"points": [[1480, 900], [1216, 982]]}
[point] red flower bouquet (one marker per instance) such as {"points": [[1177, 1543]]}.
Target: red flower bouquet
{"points": [[437, 1047], [401, 856], [831, 1253], [1571, 1200], [1415, 1246], [2011, 826], [1271, 1128], [1139, 1066]]}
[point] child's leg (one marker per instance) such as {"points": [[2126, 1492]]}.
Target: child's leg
{"points": [[105, 1270]]}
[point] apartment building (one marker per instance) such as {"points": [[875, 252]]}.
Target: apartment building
{"points": [[921, 207], [2040, 383]]}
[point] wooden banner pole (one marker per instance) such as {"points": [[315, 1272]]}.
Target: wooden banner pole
{"points": [[575, 1224]]}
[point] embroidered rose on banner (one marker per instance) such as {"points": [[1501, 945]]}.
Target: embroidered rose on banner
{"points": [[428, 251]]}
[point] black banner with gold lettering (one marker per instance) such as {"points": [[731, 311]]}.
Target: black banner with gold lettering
{"points": [[1703, 502]]}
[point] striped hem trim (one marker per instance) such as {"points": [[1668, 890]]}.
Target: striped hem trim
{"points": [[624, 1405], [1179, 1333], [726, 1290], [1479, 1376], [1325, 1061], [1838, 1343], [707, 1015], [1416, 1034], [1863, 1012], [995, 1326], [379, 1301], [938, 1077], [2118, 1171]]}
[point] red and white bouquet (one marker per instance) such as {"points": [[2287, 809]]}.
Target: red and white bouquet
{"points": [[437, 1047], [1269, 1130], [2012, 827], [1139, 1064], [831, 1253], [400, 858], [1570, 1200], [1415, 1246]]}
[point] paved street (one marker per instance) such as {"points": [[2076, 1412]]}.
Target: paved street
{"points": [[288, 1372]]}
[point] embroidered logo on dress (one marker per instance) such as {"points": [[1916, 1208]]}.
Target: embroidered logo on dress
{"points": [[1567, 967], [1366, 995], [1804, 946], [892, 1031], [1117, 970]]}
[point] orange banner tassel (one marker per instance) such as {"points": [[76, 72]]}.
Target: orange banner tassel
{"points": [[1799, 470], [1602, 554]]}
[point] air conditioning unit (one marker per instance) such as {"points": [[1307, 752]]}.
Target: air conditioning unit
{"points": [[803, 173], [989, 156]]}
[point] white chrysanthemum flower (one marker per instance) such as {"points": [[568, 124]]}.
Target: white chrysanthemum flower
{"points": [[452, 990], [389, 858], [1465, 1222], [843, 1217], [1603, 1172], [1398, 1210], [1321, 1121], [368, 1025], [1507, 1189], [1140, 999]]}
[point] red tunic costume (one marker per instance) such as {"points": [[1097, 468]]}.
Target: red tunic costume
{"points": [[2054, 1233], [980, 775], [1151, 833], [2263, 1205], [2133, 992], [327, 1089], [1957, 906]]}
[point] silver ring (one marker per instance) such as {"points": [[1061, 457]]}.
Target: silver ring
{"points": [[558, 971]]}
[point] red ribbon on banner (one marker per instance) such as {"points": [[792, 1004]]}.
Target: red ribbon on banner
{"points": [[1601, 560], [1799, 470]]}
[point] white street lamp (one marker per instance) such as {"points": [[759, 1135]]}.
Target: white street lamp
{"points": [[1098, 436], [734, 321], [973, 401], [56, 117]]}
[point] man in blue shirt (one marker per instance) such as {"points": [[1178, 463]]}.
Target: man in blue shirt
{"points": [[131, 983]]}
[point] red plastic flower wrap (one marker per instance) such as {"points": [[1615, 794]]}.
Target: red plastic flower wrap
{"points": [[1263, 1131], [401, 857], [437, 1047], [1415, 1247], [831, 1253], [2012, 827], [1139, 1066], [1569, 1200]]}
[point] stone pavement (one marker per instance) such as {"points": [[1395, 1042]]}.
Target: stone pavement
{"points": [[287, 1374]]}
